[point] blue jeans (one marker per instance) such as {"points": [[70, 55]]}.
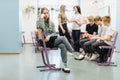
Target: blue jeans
{"points": [[62, 43]]}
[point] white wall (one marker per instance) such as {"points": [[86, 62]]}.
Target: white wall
{"points": [[118, 25], [113, 6], [88, 9], [28, 20]]}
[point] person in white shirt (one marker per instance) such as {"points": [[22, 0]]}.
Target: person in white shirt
{"points": [[83, 26], [76, 24]]}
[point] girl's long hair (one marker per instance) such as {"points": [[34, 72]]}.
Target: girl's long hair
{"points": [[62, 11], [48, 20], [78, 8]]}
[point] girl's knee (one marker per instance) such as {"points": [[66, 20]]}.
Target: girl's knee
{"points": [[61, 46]]}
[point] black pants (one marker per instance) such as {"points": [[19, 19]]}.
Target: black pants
{"points": [[82, 41], [76, 37], [87, 46], [101, 52], [66, 34]]}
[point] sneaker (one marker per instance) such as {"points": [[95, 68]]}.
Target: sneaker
{"points": [[87, 57], [80, 57], [69, 53], [83, 53], [77, 53], [94, 57], [66, 70]]}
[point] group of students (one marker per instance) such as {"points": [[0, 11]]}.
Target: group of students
{"points": [[92, 38], [98, 33]]}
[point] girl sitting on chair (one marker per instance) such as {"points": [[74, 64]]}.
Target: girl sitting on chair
{"points": [[61, 42]]}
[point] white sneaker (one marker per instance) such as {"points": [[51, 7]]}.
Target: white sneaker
{"points": [[94, 57], [76, 53], [69, 53], [87, 57], [80, 57], [66, 70], [83, 53]]}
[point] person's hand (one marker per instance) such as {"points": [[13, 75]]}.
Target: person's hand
{"points": [[90, 37], [84, 35], [63, 31], [77, 21], [47, 38], [42, 16], [99, 40]]}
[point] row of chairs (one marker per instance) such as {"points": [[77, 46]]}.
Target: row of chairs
{"points": [[44, 51]]}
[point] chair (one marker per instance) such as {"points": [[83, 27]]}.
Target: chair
{"points": [[110, 51], [44, 52], [23, 38], [33, 37]]}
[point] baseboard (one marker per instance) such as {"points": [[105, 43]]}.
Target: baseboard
{"points": [[9, 53], [28, 43], [117, 51]]}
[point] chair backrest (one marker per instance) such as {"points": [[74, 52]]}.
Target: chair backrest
{"points": [[39, 32], [112, 47], [114, 37], [33, 36], [41, 40]]}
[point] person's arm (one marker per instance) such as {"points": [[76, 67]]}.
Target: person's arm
{"points": [[47, 38], [60, 23], [109, 34], [41, 25], [72, 20], [40, 22], [107, 38], [53, 29], [86, 32], [79, 20]]}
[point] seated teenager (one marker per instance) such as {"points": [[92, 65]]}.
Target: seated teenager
{"points": [[91, 31], [104, 40], [51, 39], [87, 45]]}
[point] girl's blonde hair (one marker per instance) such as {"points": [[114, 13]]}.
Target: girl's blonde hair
{"points": [[62, 11]]}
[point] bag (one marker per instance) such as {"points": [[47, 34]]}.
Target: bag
{"points": [[50, 43]]}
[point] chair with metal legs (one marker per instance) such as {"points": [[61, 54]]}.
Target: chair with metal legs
{"points": [[110, 51], [44, 52]]}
